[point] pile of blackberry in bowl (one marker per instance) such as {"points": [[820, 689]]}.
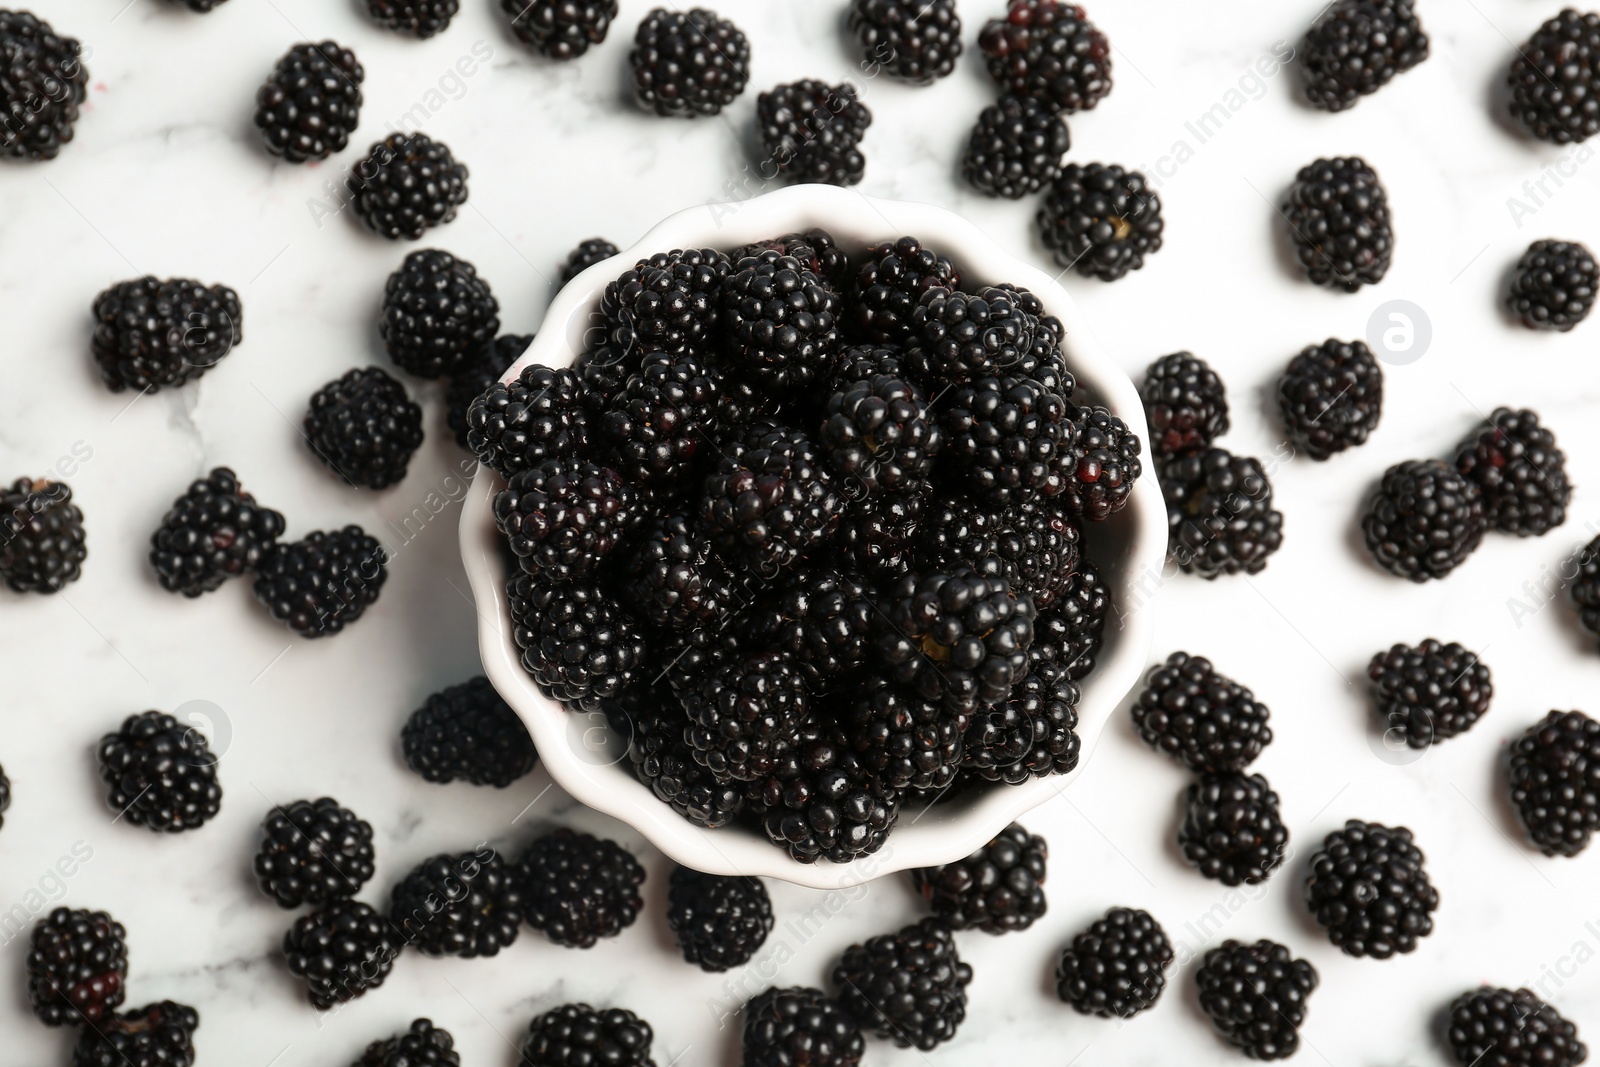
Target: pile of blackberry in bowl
{"points": [[809, 533]]}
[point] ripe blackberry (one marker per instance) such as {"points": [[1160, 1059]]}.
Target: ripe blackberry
{"points": [[342, 950], [1104, 465], [810, 132], [907, 742], [407, 184], [822, 802], [541, 414], [1555, 782], [1185, 403], [1071, 630], [1016, 148], [1554, 79], [587, 253], [1355, 47], [320, 585], [1331, 397], [892, 280], [151, 333], [779, 323], [577, 888], [671, 301], [816, 249], [1338, 216], [1231, 830], [1030, 734], [916, 41], [1429, 693], [423, 1045], [910, 986], [880, 433], [1197, 715], [957, 336], [77, 965], [481, 373], [659, 422], [158, 774], [464, 905], [313, 852], [1220, 517], [1425, 520], [998, 889], [1117, 967], [438, 315], [1522, 472], [1554, 285], [563, 517], [720, 923], [822, 619], [1101, 220], [576, 1034], [1050, 51], [213, 532], [1369, 889], [576, 642], [156, 1035], [1511, 1028], [664, 761], [1256, 996], [41, 536], [419, 18], [689, 63], [311, 102], [468, 733], [789, 1027], [1034, 547], [770, 500], [364, 428], [561, 29], [45, 83], [1006, 440], [877, 541], [745, 715]]}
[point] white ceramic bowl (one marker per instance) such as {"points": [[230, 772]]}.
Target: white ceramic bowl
{"points": [[581, 755]]}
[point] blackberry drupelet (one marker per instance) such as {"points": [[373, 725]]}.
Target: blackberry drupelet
{"points": [[780, 324], [423, 1045], [720, 923], [1104, 465], [407, 184], [577, 888], [468, 733], [822, 619], [1554, 285], [1231, 830], [1369, 889], [671, 302], [822, 802], [689, 63], [606, 365], [1050, 51], [576, 1034], [77, 965], [156, 1035], [465, 905], [45, 84], [41, 536], [158, 774], [1356, 47], [1007, 441], [1032, 733], [1331, 397], [811, 132], [1185, 403], [542, 414], [1425, 520], [1220, 517], [1554, 79], [311, 102], [1071, 630], [746, 715], [664, 761], [1101, 220], [1256, 996], [659, 423], [561, 29], [419, 18], [957, 336], [213, 532], [563, 517], [1521, 470], [1035, 547], [151, 333], [891, 282], [1555, 782], [916, 41], [816, 249], [1117, 967], [671, 578], [438, 314], [906, 741], [1015, 148], [909, 986], [770, 500], [880, 433], [1199, 716], [313, 852], [576, 642], [998, 889], [1044, 361], [1511, 1028], [480, 373], [877, 541], [1338, 216], [789, 1027], [320, 585], [364, 428], [342, 950], [1429, 693], [587, 253]]}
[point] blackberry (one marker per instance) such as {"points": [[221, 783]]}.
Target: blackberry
{"points": [[1555, 782], [1050, 51], [1105, 464], [1220, 517], [541, 414], [311, 102], [364, 428], [720, 923], [998, 889], [1200, 716], [877, 541], [576, 1034], [822, 802], [811, 132], [576, 642], [1030, 734], [1553, 79], [1522, 472], [41, 536], [313, 852], [1585, 587], [961, 336], [464, 905], [907, 742], [407, 184], [780, 323], [1511, 1028], [588, 252], [789, 1027], [151, 333], [1015, 149], [1117, 967], [213, 532], [893, 279], [671, 301], [577, 888], [745, 715], [468, 733], [910, 986], [880, 433], [770, 500], [481, 373], [1369, 889], [1331, 397], [342, 950], [158, 774], [1007, 439], [689, 63], [419, 18], [1425, 520], [671, 578], [1231, 830], [916, 41], [156, 1035], [1185, 403], [437, 314], [816, 249], [1429, 693], [1356, 47], [1256, 996], [1101, 220], [423, 1045], [1338, 216], [320, 585], [606, 365], [77, 966], [563, 517], [1554, 285], [658, 423], [821, 619], [561, 29], [1033, 547], [45, 84], [664, 761], [1071, 630]]}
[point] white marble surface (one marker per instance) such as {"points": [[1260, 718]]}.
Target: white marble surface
{"points": [[166, 176]]}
